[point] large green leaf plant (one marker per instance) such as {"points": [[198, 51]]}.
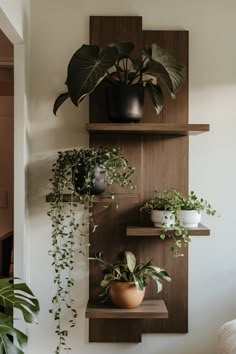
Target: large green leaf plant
{"points": [[116, 65], [15, 295]]}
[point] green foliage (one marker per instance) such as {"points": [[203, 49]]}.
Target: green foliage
{"points": [[129, 271], [174, 201], [70, 231], [15, 295], [192, 202], [115, 65]]}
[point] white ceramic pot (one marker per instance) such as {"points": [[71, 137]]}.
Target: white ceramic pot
{"points": [[190, 218], [162, 217]]}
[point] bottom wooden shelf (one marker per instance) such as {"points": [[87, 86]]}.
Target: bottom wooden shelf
{"points": [[148, 309]]}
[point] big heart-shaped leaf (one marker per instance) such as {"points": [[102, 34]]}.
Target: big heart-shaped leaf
{"points": [[164, 67], [156, 95], [60, 99], [18, 295], [124, 49], [87, 67], [7, 346]]}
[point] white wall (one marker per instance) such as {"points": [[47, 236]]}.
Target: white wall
{"points": [[12, 14], [58, 29]]}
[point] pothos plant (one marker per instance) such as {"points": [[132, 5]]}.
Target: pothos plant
{"points": [[68, 229], [174, 201], [115, 65], [15, 294], [129, 271]]}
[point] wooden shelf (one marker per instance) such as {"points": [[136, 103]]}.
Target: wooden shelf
{"points": [[148, 128], [139, 231], [148, 309], [103, 198]]}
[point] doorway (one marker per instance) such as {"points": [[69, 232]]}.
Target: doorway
{"points": [[6, 155]]}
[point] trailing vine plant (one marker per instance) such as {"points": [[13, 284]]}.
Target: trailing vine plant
{"points": [[69, 230]]}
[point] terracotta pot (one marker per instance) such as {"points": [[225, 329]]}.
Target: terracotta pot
{"points": [[125, 294]]}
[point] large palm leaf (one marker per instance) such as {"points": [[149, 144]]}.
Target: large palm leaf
{"points": [[15, 295], [7, 332]]}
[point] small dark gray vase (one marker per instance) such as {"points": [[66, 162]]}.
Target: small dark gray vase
{"points": [[99, 185], [125, 103]]}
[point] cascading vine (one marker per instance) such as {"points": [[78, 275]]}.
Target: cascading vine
{"points": [[69, 227]]}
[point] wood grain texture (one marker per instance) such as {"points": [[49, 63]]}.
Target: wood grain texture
{"points": [[115, 330], [164, 165], [148, 309], [161, 162], [174, 111], [105, 30], [110, 235], [149, 128], [139, 231]]}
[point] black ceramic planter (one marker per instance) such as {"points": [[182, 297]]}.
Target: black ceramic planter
{"points": [[125, 103], [99, 185]]}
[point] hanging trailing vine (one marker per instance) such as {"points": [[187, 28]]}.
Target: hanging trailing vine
{"points": [[75, 171]]}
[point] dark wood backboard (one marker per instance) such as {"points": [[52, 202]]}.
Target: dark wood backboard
{"points": [[161, 163]]}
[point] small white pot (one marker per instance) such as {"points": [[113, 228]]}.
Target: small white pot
{"points": [[162, 217], [190, 218]]}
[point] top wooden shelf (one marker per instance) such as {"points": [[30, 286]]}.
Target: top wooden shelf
{"points": [[148, 128]]}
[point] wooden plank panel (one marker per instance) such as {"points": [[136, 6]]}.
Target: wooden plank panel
{"points": [[110, 235], [115, 331], [174, 111], [148, 309], [105, 30], [165, 165]]}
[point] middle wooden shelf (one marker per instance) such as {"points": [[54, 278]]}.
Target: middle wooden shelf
{"points": [[174, 129], [143, 231]]}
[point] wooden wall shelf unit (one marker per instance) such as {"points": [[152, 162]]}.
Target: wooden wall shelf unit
{"points": [[139, 231], [158, 147], [148, 128]]}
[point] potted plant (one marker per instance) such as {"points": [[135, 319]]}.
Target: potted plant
{"points": [[15, 295], [174, 214], [81, 174], [125, 282], [191, 209], [125, 76]]}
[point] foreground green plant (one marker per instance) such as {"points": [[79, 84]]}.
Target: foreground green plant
{"points": [[115, 65], [173, 201], [69, 230], [129, 271], [15, 295]]}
